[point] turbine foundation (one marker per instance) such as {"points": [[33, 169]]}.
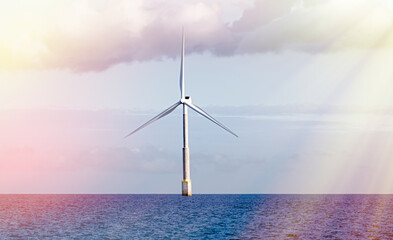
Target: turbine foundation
{"points": [[186, 187]]}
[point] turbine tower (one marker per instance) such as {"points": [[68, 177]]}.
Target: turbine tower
{"points": [[186, 102]]}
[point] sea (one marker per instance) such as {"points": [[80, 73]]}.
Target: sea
{"points": [[152, 216]]}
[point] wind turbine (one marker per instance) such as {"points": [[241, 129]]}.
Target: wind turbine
{"points": [[186, 102]]}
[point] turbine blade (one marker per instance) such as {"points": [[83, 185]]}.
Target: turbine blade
{"points": [[163, 114], [206, 115], [182, 68]]}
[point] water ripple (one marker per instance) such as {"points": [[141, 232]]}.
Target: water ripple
{"points": [[196, 217]]}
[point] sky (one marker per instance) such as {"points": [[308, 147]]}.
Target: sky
{"points": [[307, 86]]}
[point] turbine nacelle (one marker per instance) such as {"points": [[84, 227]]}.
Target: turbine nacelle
{"points": [[186, 100]]}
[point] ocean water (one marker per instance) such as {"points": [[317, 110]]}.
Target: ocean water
{"points": [[197, 217]]}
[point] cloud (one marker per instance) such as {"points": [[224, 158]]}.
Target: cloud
{"points": [[81, 141], [94, 35], [84, 36], [277, 110], [146, 159], [314, 26], [83, 147]]}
